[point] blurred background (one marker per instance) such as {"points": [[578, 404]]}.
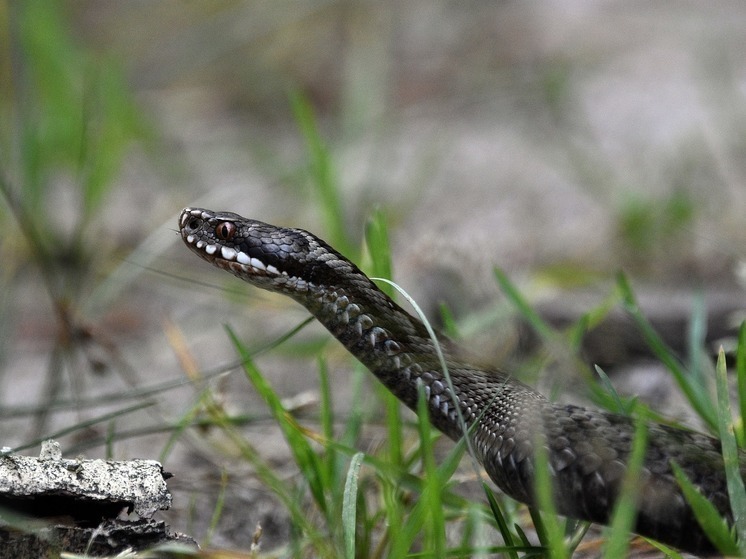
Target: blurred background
{"points": [[561, 141]]}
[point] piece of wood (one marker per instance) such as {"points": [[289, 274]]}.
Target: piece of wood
{"points": [[108, 538], [50, 504]]}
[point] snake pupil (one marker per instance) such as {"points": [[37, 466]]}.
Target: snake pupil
{"points": [[225, 231]]}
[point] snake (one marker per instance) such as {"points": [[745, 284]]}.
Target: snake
{"points": [[505, 420]]}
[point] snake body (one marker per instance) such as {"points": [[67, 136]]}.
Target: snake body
{"points": [[587, 450]]}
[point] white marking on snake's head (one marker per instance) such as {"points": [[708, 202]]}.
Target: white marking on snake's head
{"points": [[232, 255]]}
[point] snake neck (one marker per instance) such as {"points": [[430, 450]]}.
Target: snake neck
{"points": [[398, 350], [388, 341], [394, 345]]}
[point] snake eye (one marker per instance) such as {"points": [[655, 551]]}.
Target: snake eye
{"points": [[225, 230]]}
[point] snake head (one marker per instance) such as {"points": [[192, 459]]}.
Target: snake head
{"points": [[270, 257]]}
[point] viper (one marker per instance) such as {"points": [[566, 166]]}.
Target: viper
{"points": [[588, 451]]}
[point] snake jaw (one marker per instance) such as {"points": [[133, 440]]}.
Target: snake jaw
{"points": [[225, 240], [199, 230]]}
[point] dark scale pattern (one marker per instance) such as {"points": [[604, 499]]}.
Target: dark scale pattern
{"points": [[587, 450]]}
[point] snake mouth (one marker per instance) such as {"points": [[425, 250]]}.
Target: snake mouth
{"points": [[207, 234]]}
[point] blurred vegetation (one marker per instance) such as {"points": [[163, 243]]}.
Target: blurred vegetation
{"points": [[72, 112], [650, 228], [69, 119]]}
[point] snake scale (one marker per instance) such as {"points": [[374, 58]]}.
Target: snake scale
{"points": [[587, 450]]}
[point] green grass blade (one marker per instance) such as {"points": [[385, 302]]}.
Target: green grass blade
{"points": [[538, 522], [435, 480], [322, 173], [354, 422], [694, 392], [625, 509], [349, 505], [667, 552], [305, 457], [741, 376], [577, 535], [427, 516], [707, 515], [524, 308], [332, 464], [511, 546], [578, 331], [416, 522], [736, 490], [379, 249], [553, 530], [522, 534], [619, 405], [300, 521], [450, 327], [326, 407], [696, 340], [218, 511]]}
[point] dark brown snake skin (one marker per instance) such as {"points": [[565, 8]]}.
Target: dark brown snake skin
{"points": [[588, 450]]}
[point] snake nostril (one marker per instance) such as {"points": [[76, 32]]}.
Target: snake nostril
{"points": [[193, 224]]}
